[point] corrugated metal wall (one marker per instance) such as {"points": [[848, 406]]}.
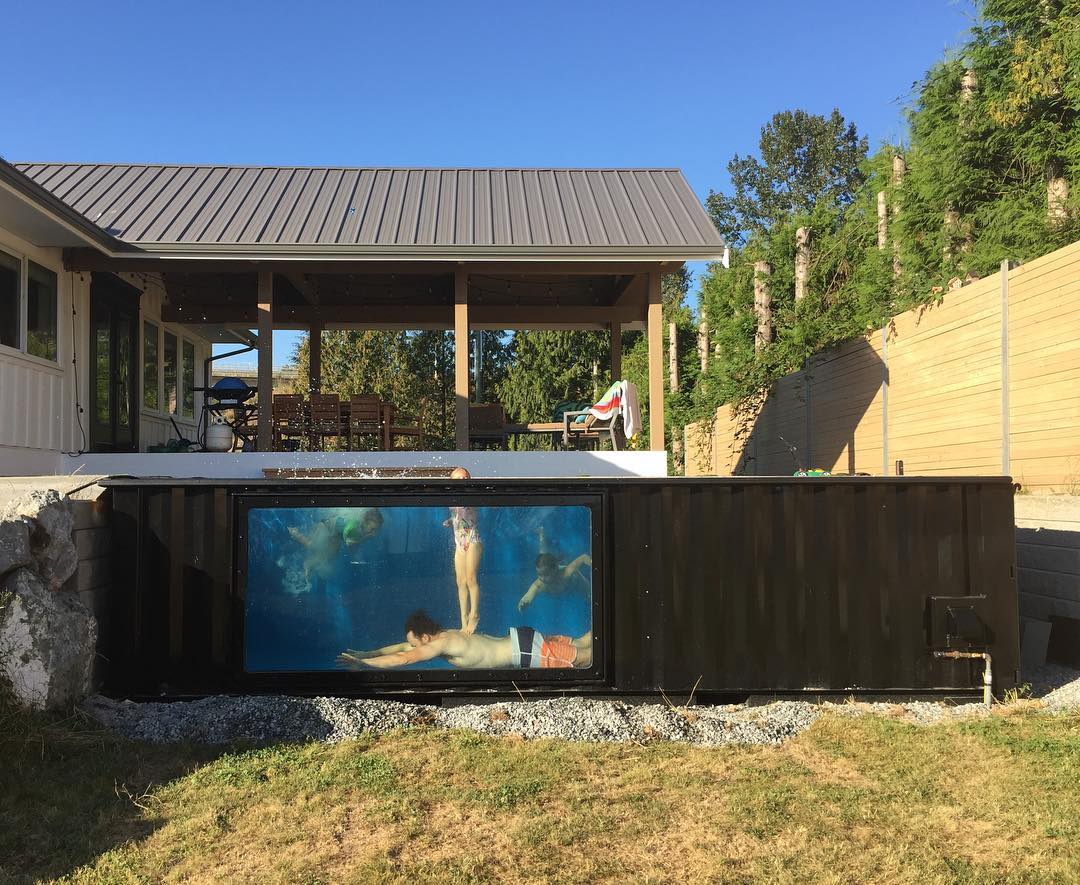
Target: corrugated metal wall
{"points": [[737, 585]]}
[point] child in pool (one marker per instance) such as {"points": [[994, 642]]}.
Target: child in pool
{"points": [[551, 576], [467, 552], [323, 542], [321, 546]]}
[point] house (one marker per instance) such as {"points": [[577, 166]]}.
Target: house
{"points": [[118, 279]]}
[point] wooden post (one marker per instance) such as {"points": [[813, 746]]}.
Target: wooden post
{"points": [[615, 330], [899, 170], [802, 261], [655, 333], [762, 304], [1057, 194], [265, 316], [703, 345], [461, 359], [673, 357], [882, 220], [315, 358], [967, 86]]}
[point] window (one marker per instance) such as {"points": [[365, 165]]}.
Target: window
{"points": [[170, 373], [151, 394], [310, 572], [10, 299], [40, 311], [28, 307], [189, 380]]}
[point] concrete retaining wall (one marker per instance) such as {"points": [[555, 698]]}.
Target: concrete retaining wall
{"points": [[1048, 573]]}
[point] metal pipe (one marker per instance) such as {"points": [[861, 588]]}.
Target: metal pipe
{"points": [[988, 673]]}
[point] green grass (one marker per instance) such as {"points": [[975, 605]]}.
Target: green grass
{"points": [[851, 800]]}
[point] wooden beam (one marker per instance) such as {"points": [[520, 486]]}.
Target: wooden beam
{"points": [[266, 360], [401, 315], [305, 286], [461, 359], [315, 358], [91, 259], [655, 336], [615, 330]]}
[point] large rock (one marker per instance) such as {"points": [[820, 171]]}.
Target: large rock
{"points": [[52, 540], [14, 544], [47, 642]]}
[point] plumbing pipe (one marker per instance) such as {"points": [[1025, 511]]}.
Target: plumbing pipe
{"points": [[988, 675]]}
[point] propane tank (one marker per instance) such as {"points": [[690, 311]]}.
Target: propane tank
{"points": [[219, 435]]}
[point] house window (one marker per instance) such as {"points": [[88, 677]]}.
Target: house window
{"points": [[10, 300], [151, 394], [28, 307], [40, 311], [189, 380], [170, 373]]}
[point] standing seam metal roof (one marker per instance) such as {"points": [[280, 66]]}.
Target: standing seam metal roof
{"points": [[149, 205]]}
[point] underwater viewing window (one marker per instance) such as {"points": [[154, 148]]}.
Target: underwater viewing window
{"points": [[432, 587]]}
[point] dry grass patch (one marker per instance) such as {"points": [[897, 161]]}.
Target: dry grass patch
{"points": [[866, 799]]}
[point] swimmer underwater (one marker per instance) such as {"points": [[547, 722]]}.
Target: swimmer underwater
{"points": [[522, 648]]}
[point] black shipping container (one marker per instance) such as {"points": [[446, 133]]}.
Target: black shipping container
{"points": [[733, 585]]}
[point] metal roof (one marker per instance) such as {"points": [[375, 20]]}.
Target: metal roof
{"points": [[172, 208], [37, 214]]}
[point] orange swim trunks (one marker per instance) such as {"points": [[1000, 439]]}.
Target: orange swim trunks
{"points": [[558, 651]]}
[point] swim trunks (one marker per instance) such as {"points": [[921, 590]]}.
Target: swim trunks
{"points": [[531, 650]]}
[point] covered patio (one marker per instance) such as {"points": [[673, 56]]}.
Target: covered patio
{"points": [[242, 251]]}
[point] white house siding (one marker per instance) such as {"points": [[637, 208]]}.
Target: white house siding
{"points": [[38, 414]]}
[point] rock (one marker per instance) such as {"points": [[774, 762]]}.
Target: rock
{"points": [[14, 545], [52, 541], [47, 642]]}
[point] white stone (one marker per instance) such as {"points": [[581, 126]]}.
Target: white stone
{"points": [[47, 642], [52, 542], [14, 545]]}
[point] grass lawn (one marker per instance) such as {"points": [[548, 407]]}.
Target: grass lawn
{"points": [[851, 800]]}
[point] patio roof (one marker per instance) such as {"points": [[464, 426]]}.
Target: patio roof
{"points": [[383, 213]]}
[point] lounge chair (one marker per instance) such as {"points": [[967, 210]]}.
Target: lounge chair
{"points": [[615, 413]]}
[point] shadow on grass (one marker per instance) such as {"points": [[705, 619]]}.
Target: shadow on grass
{"points": [[72, 791]]}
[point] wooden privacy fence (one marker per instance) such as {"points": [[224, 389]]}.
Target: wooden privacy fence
{"points": [[985, 382]]}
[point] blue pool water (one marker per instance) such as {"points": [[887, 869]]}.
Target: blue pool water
{"points": [[311, 594]]}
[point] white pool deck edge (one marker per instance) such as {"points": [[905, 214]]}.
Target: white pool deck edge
{"points": [[486, 464]]}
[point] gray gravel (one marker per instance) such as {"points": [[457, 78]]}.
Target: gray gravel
{"points": [[266, 718], [262, 718], [1059, 687]]}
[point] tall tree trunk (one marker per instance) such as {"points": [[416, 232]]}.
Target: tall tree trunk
{"points": [[802, 261], [762, 304]]}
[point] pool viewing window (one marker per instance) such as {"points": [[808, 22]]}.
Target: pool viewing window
{"points": [[432, 587]]}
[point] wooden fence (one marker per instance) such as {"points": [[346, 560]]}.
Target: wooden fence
{"points": [[985, 382]]}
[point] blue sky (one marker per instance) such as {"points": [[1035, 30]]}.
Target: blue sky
{"points": [[460, 83]]}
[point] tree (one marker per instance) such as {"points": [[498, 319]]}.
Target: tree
{"points": [[551, 367], [805, 159]]}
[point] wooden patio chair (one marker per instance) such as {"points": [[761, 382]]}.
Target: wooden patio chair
{"points": [[288, 421], [487, 423], [325, 419], [365, 419], [398, 425]]}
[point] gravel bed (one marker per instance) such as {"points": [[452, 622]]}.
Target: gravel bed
{"points": [[265, 718], [224, 719], [1059, 687]]}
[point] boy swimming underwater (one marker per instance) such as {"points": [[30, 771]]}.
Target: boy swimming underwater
{"points": [[323, 541], [522, 647], [551, 576]]}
